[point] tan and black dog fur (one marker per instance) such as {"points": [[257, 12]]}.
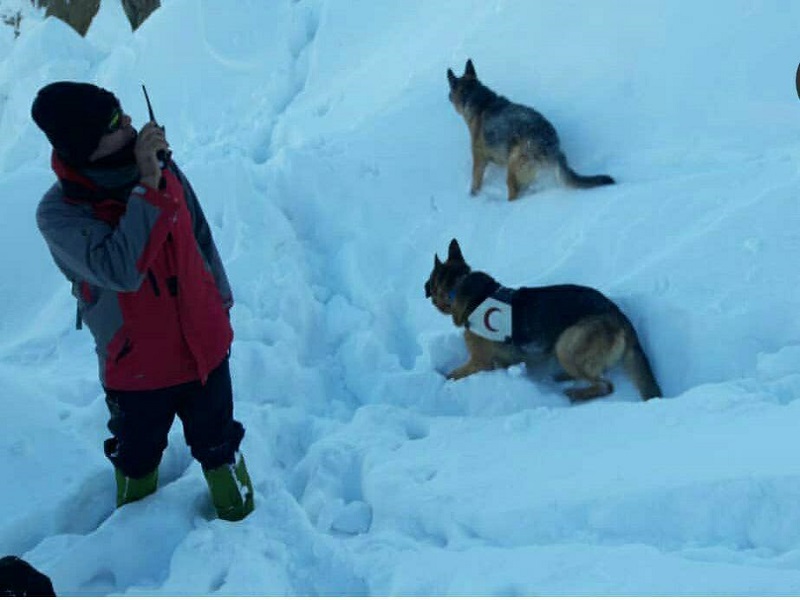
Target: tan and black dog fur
{"points": [[586, 332], [510, 134]]}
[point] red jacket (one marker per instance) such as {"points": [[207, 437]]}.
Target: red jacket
{"points": [[149, 281]]}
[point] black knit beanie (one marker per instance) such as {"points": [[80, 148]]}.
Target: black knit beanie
{"points": [[74, 116]]}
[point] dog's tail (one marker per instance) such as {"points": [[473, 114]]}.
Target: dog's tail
{"points": [[638, 368], [572, 179]]}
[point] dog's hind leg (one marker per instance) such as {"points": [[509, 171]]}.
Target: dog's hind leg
{"points": [[601, 387], [521, 171], [586, 349], [513, 184], [562, 377]]}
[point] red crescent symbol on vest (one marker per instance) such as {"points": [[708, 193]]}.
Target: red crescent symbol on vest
{"points": [[486, 316]]}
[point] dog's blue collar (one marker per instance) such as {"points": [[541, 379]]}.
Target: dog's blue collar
{"points": [[451, 295]]}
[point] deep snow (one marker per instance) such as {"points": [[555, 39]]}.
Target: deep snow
{"points": [[332, 167]]}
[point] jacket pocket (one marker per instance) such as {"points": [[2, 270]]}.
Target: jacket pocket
{"points": [[127, 346], [153, 282], [118, 348]]}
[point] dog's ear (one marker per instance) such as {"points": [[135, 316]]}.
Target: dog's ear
{"points": [[469, 70], [454, 252], [451, 78], [436, 262]]}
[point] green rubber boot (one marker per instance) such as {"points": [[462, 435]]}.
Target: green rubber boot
{"points": [[130, 490], [231, 490]]}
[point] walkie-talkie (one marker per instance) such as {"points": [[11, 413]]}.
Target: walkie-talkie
{"points": [[163, 156]]}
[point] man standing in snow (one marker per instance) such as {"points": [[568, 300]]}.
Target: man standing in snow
{"points": [[130, 235]]}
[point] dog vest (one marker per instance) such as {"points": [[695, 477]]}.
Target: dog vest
{"points": [[493, 318]]}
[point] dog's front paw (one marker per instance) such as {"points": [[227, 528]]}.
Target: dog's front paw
{"points": [[460, 373], [456, 374]]}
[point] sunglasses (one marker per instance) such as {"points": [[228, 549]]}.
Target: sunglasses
{"points": [[116, 121]]}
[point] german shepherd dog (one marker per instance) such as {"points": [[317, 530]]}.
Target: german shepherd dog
{"points": [[510, 134], [584, 330]]}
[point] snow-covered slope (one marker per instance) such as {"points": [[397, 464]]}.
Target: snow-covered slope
{"points": [[331, 166]]}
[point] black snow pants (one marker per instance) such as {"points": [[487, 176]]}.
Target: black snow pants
{"points": [[140, 422]]}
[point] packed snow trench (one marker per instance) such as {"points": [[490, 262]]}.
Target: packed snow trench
{"points": [[332, 167]]}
